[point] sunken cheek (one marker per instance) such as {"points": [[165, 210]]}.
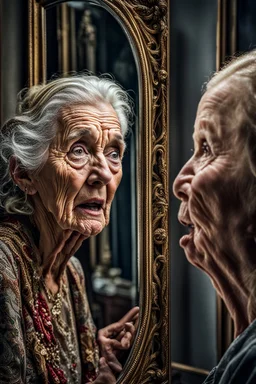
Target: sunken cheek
{"points": [[210, 194], [204, 183]]}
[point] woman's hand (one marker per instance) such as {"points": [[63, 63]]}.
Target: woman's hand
{"points": [[118, 337]]}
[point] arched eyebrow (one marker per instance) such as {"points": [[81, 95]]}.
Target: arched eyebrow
{"points": [[118, 139], [79, 133]]}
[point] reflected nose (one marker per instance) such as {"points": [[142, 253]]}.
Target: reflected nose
{"points": [[182, 183], [100, 174]]}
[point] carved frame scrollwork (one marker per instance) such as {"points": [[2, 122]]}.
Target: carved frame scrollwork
{"points": [[146, 25]]}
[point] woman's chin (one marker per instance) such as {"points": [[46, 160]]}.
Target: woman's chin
{"points": [[191, 245]]}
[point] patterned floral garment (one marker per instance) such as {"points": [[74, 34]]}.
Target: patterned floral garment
{"points": [[31, 349]]}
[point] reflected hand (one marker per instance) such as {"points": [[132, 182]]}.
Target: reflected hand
{"points": [[105, 375], [118, 337]]}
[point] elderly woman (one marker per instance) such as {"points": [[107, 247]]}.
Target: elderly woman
{"points": [[61, 163], [217, 189]]}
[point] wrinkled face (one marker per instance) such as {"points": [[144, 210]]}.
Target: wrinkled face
{"points": [[79, 180], [211, 184]]}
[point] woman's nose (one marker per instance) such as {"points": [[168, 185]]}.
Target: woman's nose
{"points": [[182, 183], [100, 173]]}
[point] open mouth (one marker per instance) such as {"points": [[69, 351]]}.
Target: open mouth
{"points": [[190, 228], [185, 239]]}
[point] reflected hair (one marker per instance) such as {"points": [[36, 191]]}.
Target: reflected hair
{"points": [[28, 135]]}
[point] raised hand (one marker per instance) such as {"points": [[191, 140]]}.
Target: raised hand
{"points": [[118, 337]]}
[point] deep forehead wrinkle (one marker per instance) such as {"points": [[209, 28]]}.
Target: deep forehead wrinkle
{"points": [[204, 125], [82, 122], [81, 119], [214, 110], [101, 117]]}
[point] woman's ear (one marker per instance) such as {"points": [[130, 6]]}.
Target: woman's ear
{"points": [[21, 177]]}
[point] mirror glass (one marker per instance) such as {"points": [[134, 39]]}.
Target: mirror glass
{"points": [[82, 37]]}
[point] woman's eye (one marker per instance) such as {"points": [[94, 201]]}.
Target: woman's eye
{"points": [[205, 147]]}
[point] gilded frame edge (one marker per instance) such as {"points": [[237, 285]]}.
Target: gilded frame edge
{"points": [[147, 23]]}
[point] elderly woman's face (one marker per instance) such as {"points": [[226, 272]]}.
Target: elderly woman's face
{"points": [[210, 183], [79, 180]]}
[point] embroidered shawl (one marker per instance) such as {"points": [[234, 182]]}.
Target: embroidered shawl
{"points": [[21, 357]]}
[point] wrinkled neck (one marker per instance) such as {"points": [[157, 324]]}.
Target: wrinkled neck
{"points": [[56, 246]]}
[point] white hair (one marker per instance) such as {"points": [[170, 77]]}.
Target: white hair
{"points": [[28, 135]]}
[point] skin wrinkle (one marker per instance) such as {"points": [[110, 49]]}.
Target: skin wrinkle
{"points": [[62, 185], [215, 190], [99, 120]]}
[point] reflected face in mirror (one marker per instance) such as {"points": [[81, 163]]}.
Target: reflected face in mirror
{"points": [[84, 168], [81, 37], [210, 184]]}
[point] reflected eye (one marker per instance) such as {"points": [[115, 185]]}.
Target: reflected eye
{"points": [[78, 155], [78, 151], [115, 155]]}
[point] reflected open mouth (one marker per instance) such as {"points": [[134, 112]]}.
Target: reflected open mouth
{"points": [[93, 206]]}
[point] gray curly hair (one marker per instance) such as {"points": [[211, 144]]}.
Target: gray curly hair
{"points": [[28, 135]]}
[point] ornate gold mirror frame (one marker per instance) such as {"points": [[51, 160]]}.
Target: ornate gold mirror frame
{"points": [[146, 25]]}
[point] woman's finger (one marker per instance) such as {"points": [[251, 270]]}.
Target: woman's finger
{"points": [[130, 316], [112, 330], [112, 343]]}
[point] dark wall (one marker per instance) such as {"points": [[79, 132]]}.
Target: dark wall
{"points": [[14, 44], [193, 300]]}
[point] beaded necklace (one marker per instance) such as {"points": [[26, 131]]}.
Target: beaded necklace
{"points": [[65, 330], [47, 343]]}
